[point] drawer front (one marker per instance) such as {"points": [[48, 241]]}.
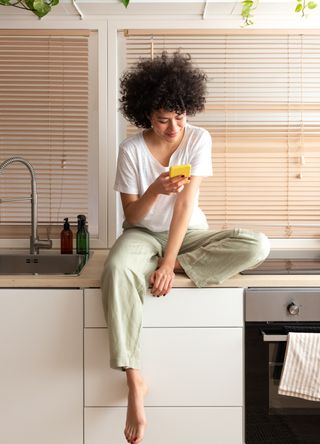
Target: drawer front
{"points": [[183, 367], [170, 425], [183, 307]]}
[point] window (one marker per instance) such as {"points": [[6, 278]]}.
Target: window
{"points": [[45, 97], [263, 114]]}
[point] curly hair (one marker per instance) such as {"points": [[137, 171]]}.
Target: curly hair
{"points": [[166, 82]]}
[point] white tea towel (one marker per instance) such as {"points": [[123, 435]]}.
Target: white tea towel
{"points": [[301, 370]]}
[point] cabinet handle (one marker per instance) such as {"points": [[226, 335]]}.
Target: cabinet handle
{"points": [[274, 338]]}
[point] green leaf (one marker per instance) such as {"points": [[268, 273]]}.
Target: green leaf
{"points": [[29, 4], [299, 1], [125, 2], [247, 3], [245, 12], [311, 5], [41, 7], [298, 8]]}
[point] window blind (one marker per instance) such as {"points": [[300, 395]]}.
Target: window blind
{"points": [[44, 119], [263, 114]]}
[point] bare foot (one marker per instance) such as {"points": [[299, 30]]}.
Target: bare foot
{"points": [[177, 266], [136, 419]]}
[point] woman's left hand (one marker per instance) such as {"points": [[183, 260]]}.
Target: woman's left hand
{"points": [[162, 280]]}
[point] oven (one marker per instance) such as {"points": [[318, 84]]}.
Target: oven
{"points": [[270, 314]]}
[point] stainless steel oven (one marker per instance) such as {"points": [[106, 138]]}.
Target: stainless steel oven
{"points": [[270, 314]]}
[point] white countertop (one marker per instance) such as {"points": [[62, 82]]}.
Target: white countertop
{"points": [[90, 278]]}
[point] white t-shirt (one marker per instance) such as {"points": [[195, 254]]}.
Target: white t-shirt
{"points": [[137, 169]]}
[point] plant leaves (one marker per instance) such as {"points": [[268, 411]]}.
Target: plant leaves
{"points": [[311, 5], [41, 8], [245, 11], [125, 2], [29, 4], [248, 6], [298, 8]]}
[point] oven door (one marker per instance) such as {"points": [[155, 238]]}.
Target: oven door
{"points": [[271, 418]]}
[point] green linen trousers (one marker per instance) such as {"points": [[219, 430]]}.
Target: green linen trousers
{"points": [[207, 258]]}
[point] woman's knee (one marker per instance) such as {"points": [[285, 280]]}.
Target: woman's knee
{"points": [[114, 270], [263, 245], [259, 248]]}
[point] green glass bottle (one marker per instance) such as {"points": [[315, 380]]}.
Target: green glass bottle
{"points": [[82, 240]]}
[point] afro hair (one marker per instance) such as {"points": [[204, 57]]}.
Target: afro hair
{"points": [[166, 82]]}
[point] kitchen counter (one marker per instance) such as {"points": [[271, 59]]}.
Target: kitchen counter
{"points": [[90, 278]]}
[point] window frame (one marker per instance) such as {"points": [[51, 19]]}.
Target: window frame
{"points": [[178, 27], [97, 133]]}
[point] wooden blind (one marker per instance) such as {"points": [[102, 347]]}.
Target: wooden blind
{"points": [[263, 112], [44, 119]]}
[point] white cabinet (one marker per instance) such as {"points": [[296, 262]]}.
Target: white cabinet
{"points": [[192, 360], [41, 371], [183, 307], [169, 425], [183, 366]]}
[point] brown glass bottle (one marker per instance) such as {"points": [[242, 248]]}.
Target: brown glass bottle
{"points": [[66, 238]]}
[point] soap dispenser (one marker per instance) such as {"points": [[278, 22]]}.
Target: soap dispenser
{"points": [[66, 238], [82, 236]]}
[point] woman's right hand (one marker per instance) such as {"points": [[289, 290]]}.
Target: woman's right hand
{"points": [[168, 185], [161, 280]]}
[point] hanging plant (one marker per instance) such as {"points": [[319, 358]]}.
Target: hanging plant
{"points": [[38, 7], [248, 6], [43, 7]]}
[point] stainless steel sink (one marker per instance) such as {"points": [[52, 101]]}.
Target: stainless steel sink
{"points": [[53, 263]]}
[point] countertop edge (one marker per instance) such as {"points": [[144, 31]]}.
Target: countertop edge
{"points": [[91, 275]]}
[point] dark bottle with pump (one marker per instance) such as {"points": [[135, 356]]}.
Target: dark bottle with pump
{"points": [[66, 238], [82, 236]]}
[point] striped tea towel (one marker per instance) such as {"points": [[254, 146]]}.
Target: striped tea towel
{"points": [[301, 370]]}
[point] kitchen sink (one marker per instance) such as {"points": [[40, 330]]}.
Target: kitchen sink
{"points": [[48, 263]]}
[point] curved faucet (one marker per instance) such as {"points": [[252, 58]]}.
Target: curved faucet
{"points": [[35, 242]]}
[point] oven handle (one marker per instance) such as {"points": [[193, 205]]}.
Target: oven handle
{"points": [[274, 338]]}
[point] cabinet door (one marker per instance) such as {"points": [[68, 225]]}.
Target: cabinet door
{"points": [[171, 425], [183, 367], [41, 376], [183, 307]]}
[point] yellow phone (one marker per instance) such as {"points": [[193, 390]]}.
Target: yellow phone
{"points": [[180, 170]]}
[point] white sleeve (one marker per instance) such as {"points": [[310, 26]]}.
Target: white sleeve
{"points": [[201, 161], [126, 175]]}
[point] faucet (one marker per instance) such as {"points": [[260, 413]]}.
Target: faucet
{"points": [[35, 242]]}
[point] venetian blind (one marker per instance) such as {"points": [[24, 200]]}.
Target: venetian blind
{"points": [[263, 112], [44, 119]]}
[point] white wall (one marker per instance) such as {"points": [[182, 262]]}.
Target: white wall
{"points": [[109, 16]]}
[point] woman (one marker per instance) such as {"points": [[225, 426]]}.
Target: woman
{"points": [[164, 229]]}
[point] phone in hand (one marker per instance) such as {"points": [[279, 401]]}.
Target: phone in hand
{"points": [[180, 170]]}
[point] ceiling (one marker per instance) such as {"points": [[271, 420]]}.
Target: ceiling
{"points": [[279, 12]]}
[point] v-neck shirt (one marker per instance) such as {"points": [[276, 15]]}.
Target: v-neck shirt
{"points": [[137, 169]]}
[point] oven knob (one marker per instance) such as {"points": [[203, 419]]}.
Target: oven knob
{"points": [[293, 308]]}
